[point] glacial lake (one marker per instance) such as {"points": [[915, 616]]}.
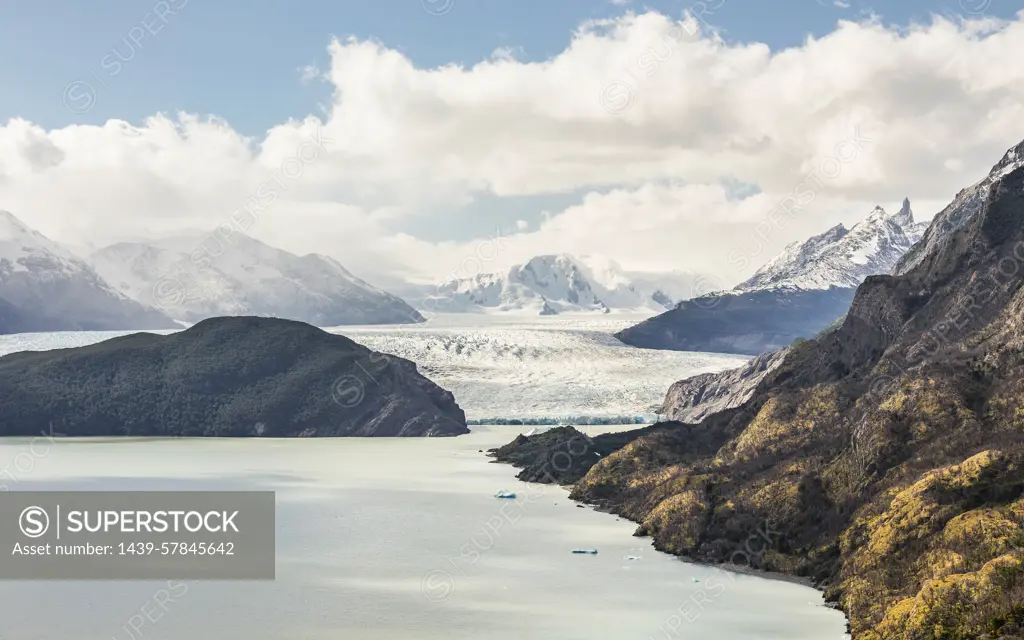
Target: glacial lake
{"points": [[394, 539]]}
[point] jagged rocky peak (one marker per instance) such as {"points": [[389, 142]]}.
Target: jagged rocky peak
{"points": [[796, 294], [558, 275], [905, 216], [841, 257]]}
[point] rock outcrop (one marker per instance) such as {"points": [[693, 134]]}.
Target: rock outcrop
{"points": [[693, 399]]}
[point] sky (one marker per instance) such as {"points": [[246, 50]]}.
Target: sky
{"points": [[419, 140]]}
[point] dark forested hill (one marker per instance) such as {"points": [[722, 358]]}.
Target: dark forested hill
{"points": [[239, 376]]}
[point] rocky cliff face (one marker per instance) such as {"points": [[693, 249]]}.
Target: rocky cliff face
{"points": [[693, 399], [240, 376], [884, 460]]}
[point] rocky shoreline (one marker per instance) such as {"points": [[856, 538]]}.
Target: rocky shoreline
{"points": [[564, 455]]}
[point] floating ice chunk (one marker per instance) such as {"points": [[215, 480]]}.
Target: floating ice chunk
{"points": [[695, 579], [510, 495], [592, 552]]}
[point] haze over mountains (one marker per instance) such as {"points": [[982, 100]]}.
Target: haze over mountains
{"points": [[796, 294], [164, 283], [161, 284]]}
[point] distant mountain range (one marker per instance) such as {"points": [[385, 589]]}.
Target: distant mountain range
{"points": [[167, 283], [796, 294], [554, 284], [194, 277]]}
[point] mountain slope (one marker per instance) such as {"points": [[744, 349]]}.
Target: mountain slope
{"points": [[197, 277], [747, 323], [15, 320], [795, 295], [240, 376], [884, 459], [54, 290]]}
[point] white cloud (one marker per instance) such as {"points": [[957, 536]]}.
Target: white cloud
{"points": [[919, 111], [309, 73]]}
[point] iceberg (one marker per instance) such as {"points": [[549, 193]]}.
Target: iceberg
{"points": [[508, 495]]}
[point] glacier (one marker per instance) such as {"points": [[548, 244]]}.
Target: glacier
{"points": [[541, 370]]}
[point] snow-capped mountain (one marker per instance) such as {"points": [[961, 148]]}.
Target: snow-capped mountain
{"points": [[552, 284], [796, 294], [841, 257], [48, 288], [966, 203], [193, 277]]}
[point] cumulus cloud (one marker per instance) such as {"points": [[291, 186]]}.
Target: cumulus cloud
{"points": [[652, 119]]}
